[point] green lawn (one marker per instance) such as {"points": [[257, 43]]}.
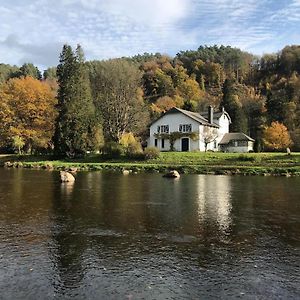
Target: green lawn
{"points": [[188, 162]]}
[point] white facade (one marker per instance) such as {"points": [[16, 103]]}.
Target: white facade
{"points": [[239, 148], [176, 120]]}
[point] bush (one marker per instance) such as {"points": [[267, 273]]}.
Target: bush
{"points": [[135, 151], [113, 150], [151, 153], [131, 146]]}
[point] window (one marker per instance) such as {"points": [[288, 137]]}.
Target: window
{"points": [[163, 143], [242, 143], [185, 128], [215, 144], [155, 142], [163, 129]]}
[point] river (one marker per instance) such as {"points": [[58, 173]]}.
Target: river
{"points": [[110, 236]]}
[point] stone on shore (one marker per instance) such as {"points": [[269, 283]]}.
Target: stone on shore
{"points": [[66, 177], [126, 172]]}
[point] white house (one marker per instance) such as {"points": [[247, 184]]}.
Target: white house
{"points": [[182, 130]]}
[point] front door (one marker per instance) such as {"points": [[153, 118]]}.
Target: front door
{"points": [[185, 144]]}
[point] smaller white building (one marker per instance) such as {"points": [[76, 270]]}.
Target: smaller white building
{"points": [[236, 142]]}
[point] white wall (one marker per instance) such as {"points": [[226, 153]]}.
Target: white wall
{"points": [[174, 120], [240, 149]]}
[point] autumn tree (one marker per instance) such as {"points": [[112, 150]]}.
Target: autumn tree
{"points": [[77, 127], [27, 114], [162, 104], [276, 137]]}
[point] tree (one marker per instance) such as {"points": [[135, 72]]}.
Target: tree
{"points": [[230, 102], [209, 135], [77, 127], [27, 111], [116, 84], [7, 72], [50, 73], [276, 137], [18, 143], [163, 104], [28, 69]]}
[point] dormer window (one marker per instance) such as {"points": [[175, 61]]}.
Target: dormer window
{"points": [[163, 129], [184, 128]]}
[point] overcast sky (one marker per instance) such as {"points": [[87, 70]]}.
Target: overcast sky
{"points": [[35, 30]]}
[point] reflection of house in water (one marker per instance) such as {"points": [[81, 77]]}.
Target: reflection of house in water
{"points": [[214, 200]]}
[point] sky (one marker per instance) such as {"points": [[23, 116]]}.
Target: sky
{"points": [[35, 30]]}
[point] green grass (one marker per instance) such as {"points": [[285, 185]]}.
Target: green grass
{"points": [[188, 162]]}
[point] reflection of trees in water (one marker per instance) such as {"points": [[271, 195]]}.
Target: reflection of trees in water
{"points": [[105, 219], [68, 244]]}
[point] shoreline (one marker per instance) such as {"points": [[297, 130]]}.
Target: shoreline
{"points": [[237, 168]]}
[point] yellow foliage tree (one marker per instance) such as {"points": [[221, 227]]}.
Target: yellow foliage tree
{"points": [[163, 104], [130, 143], [277, 137], [27, 111]]}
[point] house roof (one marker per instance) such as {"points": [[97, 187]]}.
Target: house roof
{"points": [[217, 115], [235, 136], [193, 115]]}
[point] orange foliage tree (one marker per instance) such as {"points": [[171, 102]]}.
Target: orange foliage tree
{"points": [[276, 137], [27, 111]]}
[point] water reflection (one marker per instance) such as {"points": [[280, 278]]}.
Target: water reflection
{"points": [[112, 236], [214, 200]]}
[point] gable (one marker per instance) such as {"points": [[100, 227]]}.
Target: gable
{"points": [[176, 112]]}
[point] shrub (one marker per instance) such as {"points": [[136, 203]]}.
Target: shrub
{"points": [[131, 145], [113, 150], [151, 153]]}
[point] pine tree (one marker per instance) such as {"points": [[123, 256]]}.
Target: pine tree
{"points": [[77, 128], [231, 105]]}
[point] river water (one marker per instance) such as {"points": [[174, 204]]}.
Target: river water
{"points": [[110, 236]]}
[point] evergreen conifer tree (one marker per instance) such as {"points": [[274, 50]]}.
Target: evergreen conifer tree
{"points": [[77, 128], [231, 105]]}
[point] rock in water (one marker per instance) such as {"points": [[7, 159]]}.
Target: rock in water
{"points": [[66, 176], [73, 170], [172, 174], [126, 172]]}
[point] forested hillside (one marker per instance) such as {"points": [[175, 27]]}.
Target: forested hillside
{"points": [[123, 95]]}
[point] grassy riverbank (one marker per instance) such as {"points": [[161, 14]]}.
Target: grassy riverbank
{"points": [[188, 162]]}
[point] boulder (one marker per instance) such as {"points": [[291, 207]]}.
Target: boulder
{"points": [[66, 177], [8, 164], [172, 174], [73, 170], [126, 172]]}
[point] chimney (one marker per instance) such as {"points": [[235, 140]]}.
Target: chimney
{"points": [[210, 114]]}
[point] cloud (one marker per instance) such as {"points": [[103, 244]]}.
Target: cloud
{"points": [[35, 30], [44, 55], [141, 11]]}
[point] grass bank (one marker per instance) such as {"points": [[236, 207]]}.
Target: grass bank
{"points": [[188, 162]]}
